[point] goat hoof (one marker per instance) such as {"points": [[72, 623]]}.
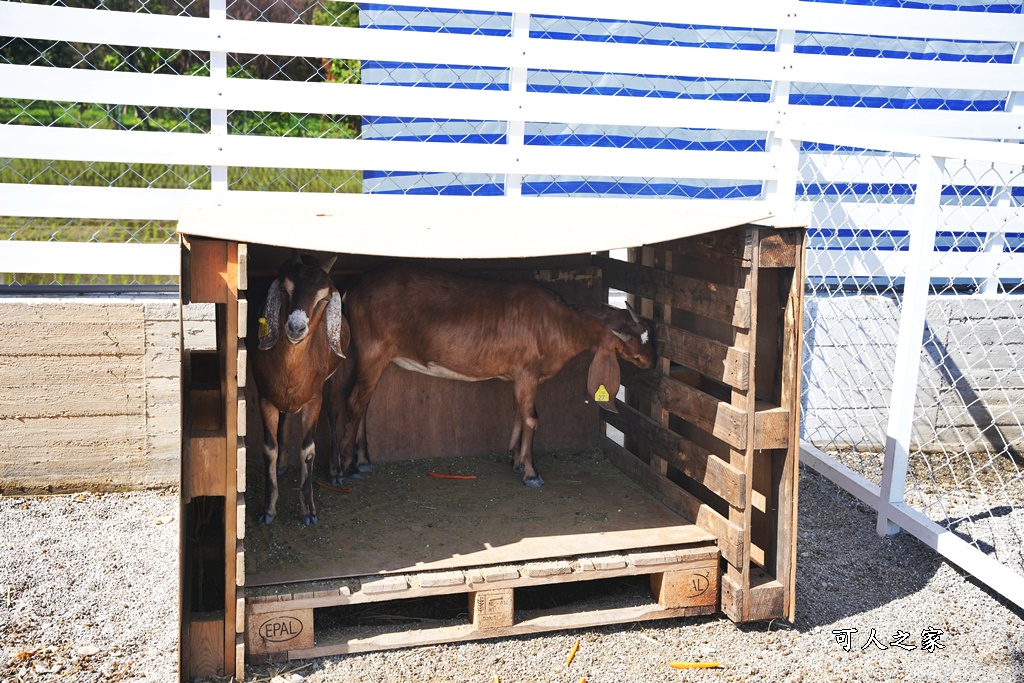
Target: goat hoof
{"points": [[308, 519], [517, 468], [510, 454], [337, 479], [365, 468], [533, 482], [265, 518]]}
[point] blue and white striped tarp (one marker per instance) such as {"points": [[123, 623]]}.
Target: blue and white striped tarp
{"points": [[547, 27]]}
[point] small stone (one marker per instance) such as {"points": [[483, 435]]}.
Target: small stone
{"points": [[88, 651]]}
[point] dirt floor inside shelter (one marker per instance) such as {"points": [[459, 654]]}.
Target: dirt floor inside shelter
{"points": [[401, 519]]}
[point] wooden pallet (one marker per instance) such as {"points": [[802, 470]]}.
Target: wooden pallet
{"points": [[711, 433], [280, 619], [714, 433]]}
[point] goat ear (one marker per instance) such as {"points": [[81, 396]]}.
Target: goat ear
{"points": [[603, 378], [338, 332], [270, 322]]}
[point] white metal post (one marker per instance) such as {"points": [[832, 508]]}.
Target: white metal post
{"points": [[995, 242], [218, 78], [515, 131], [780, 192], [923, 225]]}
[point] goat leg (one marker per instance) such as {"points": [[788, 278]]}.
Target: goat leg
{"points": [[307, 510], [334, 392], [513, 444], [526, 395], [271, 421], [369, 372]]}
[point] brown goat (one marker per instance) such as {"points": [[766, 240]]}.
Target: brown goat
{"points": [[303, 304], [459, 328]]}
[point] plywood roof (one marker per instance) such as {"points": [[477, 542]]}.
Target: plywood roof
{"points": [[460, 227]]}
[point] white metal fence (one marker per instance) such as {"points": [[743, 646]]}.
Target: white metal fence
{"points": [[898, 146]]}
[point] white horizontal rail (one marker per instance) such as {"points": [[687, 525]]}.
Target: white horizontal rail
{"points": [[89, 258], [792, 15], [860, 215], [961, 553], [855, 167], [237, 94], [889, 265], [798, 16], [994, 152], [59, 23], [31, 142], [52, 201]]}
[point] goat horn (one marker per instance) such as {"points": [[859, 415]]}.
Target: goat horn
{"points": [[623, 336], [632, 313], [296, 258], [328, 264]]}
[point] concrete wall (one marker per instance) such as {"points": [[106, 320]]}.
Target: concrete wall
{"points": [[971, 389], [89, 391]]}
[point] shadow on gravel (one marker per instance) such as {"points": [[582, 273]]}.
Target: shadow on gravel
{"points": [[844, 568]]}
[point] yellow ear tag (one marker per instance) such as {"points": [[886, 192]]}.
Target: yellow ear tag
{"points": [[264, 330], [601, 395]]}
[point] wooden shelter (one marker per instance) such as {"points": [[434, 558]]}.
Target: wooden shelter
{"points": [[692, 484]]}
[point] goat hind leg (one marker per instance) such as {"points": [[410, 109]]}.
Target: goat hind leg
{"points": [[526, 395], [514, 443]]}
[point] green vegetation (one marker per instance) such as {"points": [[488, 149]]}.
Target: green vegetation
{"points": [[69, 55]]}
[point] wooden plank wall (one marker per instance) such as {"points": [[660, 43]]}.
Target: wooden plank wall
{"points": [[89, 391], [713, 430]]}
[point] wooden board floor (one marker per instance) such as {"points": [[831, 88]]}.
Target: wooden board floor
{"points": [[400, 519]]}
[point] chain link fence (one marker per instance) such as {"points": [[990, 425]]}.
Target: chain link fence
{"points": [[965, 470]]}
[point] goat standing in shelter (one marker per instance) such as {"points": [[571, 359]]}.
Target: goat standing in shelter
{"points": [[456, 327], [303, 304]]}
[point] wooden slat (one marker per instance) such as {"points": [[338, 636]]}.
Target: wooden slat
{"points": [[709, 357], [227, 345], [704, 411], [767, 599], [781, 248], [207, 278], [205, 645], [732, 247], [203, 466], [718, 302], [771, 427], [695, 462], [541, 621], [787, 473], [517, 575], [729, 535]]}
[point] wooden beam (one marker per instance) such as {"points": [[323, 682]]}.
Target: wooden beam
{"points": [[715, 416], [711, 358], [692, 460], [729, 535], [718, 302]]}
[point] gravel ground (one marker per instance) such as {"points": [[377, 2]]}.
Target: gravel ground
{"points": [[88, 592]]}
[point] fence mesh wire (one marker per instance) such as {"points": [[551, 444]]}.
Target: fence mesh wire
{"points": [[965, 470], [965, 467]]}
